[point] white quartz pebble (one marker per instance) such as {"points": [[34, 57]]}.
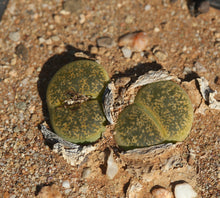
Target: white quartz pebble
{"points": [[126, 52], [66, 184], [184, 190], [112, 167]]}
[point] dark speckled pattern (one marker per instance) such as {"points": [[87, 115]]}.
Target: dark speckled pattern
{"points": [[79, 123], [83, 77], [168, 107], [136, 128]]}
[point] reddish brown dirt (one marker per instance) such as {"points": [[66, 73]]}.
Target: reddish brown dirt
{"points": [[37, 38]]}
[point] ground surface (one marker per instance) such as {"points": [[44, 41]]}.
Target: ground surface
{"points": [[38, 37]]}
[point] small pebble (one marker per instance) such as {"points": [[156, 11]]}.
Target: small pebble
{"points": [[126, 52], [73, 6], [55, 38], [64, 12], [184, 48], [21, 105], [82, 18], [80, 54], [147, 7], [26, 190], [112, 167], [48, 41], [217, 35], [151, 58], [29, 71], [21, 51], [136, 56], [165, 3], [67, 191], [41, 40], [14, 36], [102, 50], [129, 19], [86, 172], [187, 70], [161, 193], [94, 50], [136, 41], [156, 29], [199, 67], [13, 61], [83, 189], [134, 190], [162, 56], [105, 42], [57, 19], [16, 129], [51, 27], [198, 7], [204, 7], [184, 190], [66, 184]]}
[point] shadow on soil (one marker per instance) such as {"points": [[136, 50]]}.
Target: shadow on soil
{"points": [[49, 68], [138, 70], [39, 187], [173, 184], [156, 187]]}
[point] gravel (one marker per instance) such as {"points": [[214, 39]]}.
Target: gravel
{"points": [[14, 36], [38, 37]]}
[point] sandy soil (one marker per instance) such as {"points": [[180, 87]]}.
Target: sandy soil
{"points": [[39, 37]]}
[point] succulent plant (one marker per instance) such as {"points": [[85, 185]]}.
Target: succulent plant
{"points": [[73, 100], [161, 112]]}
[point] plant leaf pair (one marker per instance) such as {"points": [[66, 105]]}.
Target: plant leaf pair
{"points": [[161, 112]]}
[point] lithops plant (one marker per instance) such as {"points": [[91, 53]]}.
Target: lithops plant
{"points": [[73, 100], [162, 112]]}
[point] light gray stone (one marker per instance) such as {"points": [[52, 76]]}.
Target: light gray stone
{"points": [[14, 36]]}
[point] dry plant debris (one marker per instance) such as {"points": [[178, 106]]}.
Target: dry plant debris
{"points": [[39, 37]]}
